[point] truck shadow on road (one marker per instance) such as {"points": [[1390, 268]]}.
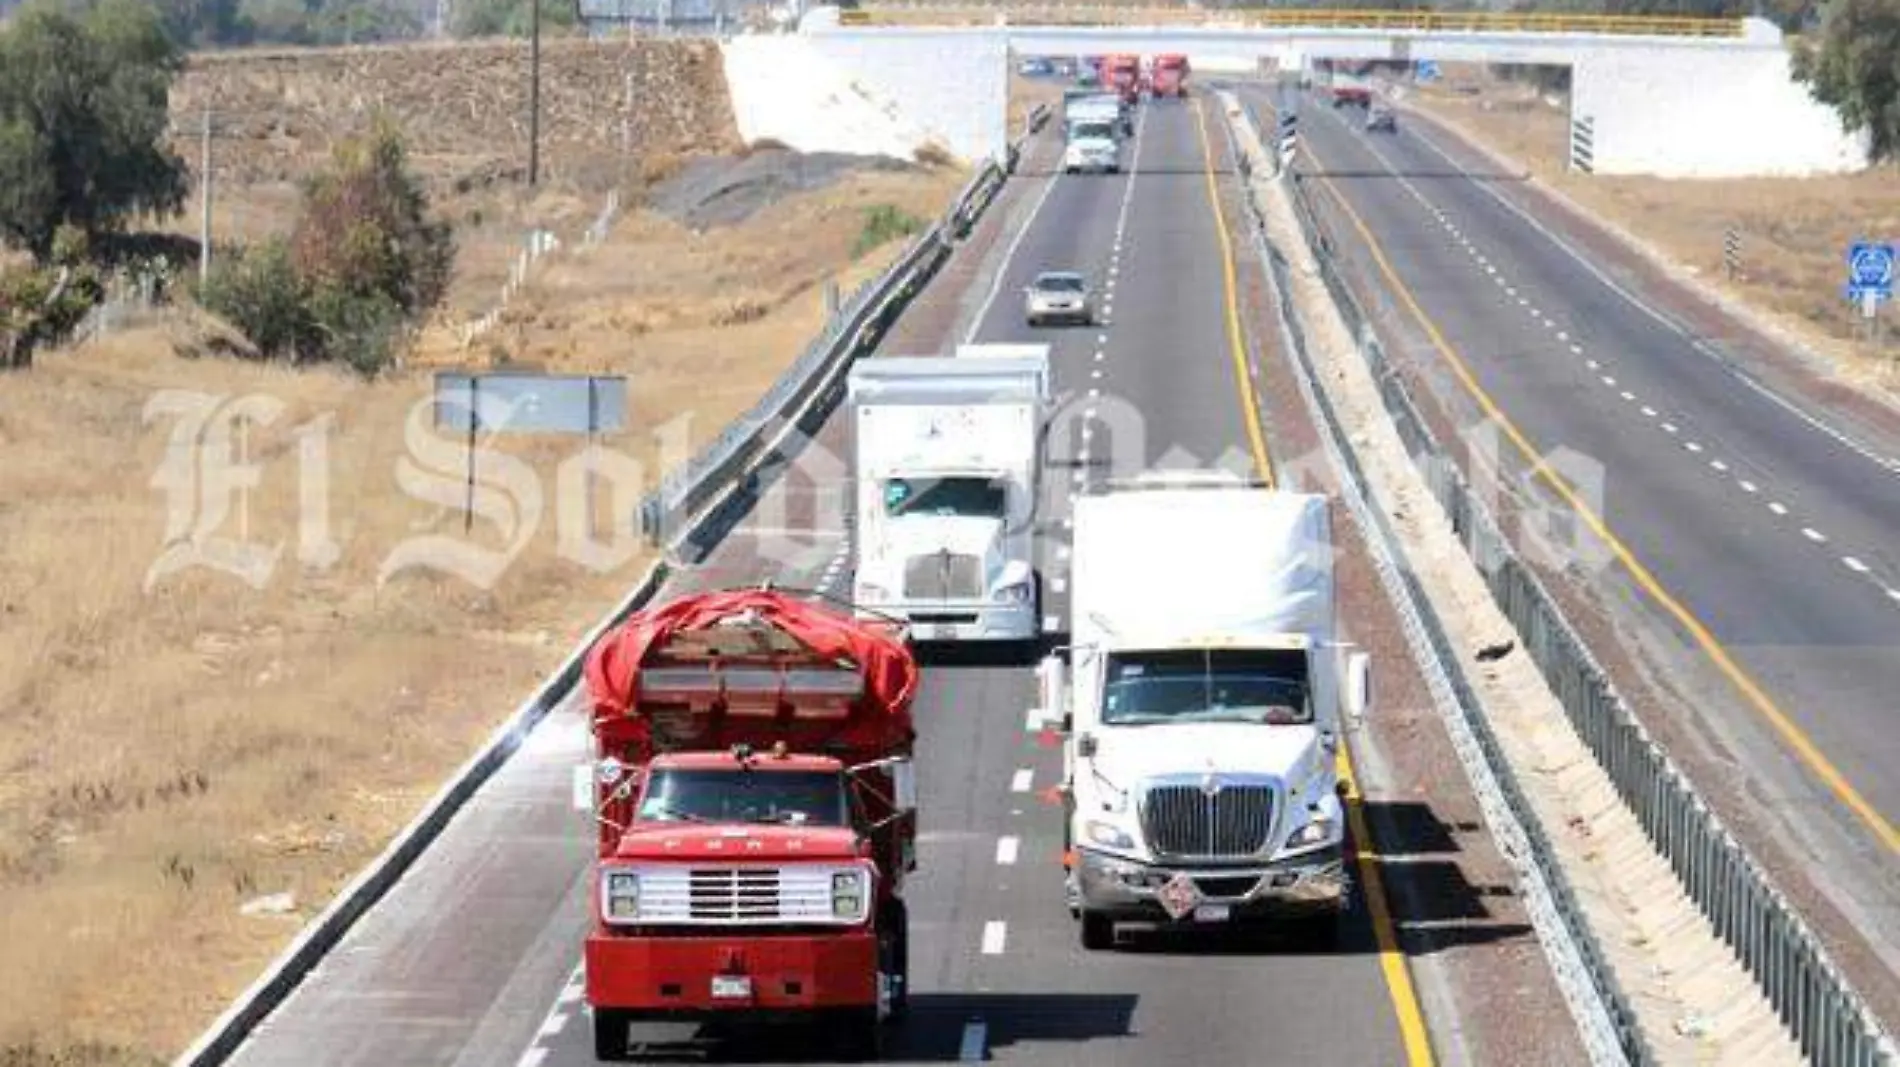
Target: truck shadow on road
{"points": [[941, 1028]]}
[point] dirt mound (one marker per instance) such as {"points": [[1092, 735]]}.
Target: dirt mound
{"points": [[463, 107], [724, 190]]}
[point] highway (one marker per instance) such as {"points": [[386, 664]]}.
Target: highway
{"points": [[1754, 572], [473, 959]]}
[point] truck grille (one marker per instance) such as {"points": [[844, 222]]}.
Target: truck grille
{"points": [[1181, 820], [735, 895], [943, 576]]}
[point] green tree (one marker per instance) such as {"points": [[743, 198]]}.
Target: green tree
{"points": [[1854, 67], [84, 104], [364, 260]]}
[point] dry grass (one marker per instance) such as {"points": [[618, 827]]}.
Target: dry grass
{"points": [[1026, 93], [167, 756], [1794, 231]]}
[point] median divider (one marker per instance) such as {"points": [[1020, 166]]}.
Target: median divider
{"points": [[1828, 1021], [694, 507]]}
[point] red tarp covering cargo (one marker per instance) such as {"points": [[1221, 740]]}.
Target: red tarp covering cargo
{"points": [[877, 723]]}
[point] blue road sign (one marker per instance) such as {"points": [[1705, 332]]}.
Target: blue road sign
{"points": [[1426, 71], [1870, 270]]}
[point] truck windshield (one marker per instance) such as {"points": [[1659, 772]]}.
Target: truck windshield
{"points": [[804, 798], [1263, 686], [1099, 131], [973, 496]]}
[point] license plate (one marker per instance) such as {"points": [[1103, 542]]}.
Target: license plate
{"points": [[729, 987], [1212, 913], [939, 631]]}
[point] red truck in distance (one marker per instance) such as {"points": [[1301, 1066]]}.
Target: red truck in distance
{"points": [[1122, 73], [757, 819], [1168, 77]]}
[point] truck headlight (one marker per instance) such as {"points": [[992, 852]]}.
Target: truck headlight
{"points": [[1015, 592], [621, 896], [1317, 832], [847, 894], [1108, 835]]}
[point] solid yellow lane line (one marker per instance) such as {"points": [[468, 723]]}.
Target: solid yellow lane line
{"points": [[1398, 978], [1796, 738], [1236, 342]]}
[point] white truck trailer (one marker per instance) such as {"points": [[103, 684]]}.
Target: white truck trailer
{"points": [[948, 453], [1202, 707]]}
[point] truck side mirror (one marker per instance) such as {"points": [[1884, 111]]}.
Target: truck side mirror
{"points": [[1358, 685], [1085, 746], [904, 785]]}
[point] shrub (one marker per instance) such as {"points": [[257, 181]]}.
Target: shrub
{"points": [[884, 223], [261, 293]]}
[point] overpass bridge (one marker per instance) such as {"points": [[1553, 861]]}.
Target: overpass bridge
{"points": [[1672, 97]]}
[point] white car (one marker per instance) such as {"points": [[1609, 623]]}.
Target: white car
{"points": [[1097, 154], [1058, 296]]}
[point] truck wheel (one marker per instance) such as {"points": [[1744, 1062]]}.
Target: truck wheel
{"points": [[899, 964], [1098, 931], [611, 1035], [861, 1036]]}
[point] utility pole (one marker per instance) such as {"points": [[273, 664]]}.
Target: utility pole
{"points": [[204, 199], [534, 93]]}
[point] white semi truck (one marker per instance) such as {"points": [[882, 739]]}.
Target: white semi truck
{"points": [[1202, 705], [948, 452]]}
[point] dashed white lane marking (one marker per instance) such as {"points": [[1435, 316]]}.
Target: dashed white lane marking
{"points": [[1006, 851], [1629, 397], [1088, 413], [995, 933], [1609, 381], [1670, 427], [1893, 594], [1563, 336], [975, 1042], [1777, 507], [1855, 565], [1096, 373], [1749, 487], [534, 1057], [553, 1024], [1693, 447], [1592, 364], [1025, 776], [1718, 466], [1099, 356], [1101, 338], [1510, 290], [1576, 350], [1814, 535], [1649, 412], [1095, 393]]}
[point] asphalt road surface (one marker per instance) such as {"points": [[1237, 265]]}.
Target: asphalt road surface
{"points": [[1775, 531], [473, 958]]}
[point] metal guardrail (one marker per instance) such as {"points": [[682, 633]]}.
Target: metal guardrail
{"points": [[726, 469], [1829, 1021], [1425, 21]]}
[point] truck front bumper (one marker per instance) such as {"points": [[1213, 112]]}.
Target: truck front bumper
{"points": [[1125, 890], [971, 621], [673, 978]]}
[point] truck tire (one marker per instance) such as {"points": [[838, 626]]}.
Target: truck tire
{"points": [[861, 1036], [899, 925], [612, 1031], [1098, 931]]}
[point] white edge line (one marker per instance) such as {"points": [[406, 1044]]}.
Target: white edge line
{"points": [[995, 936], [1006, 849]]}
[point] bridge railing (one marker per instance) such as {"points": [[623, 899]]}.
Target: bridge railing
{"points": [[926, 12]]}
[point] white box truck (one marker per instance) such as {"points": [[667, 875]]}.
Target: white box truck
{"points": [[1202, 704], [948, 452]]}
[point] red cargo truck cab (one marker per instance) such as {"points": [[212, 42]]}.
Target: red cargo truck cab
{"points": [[1169, 76], [757, 819], [1123, 74]]}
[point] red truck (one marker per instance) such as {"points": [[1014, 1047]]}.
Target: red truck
{"points": [[1169, 76], [756, 802], [1122, 73]]}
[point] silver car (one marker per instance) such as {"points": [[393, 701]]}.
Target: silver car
{"points": [[1381, 119], [1058, 296]]}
